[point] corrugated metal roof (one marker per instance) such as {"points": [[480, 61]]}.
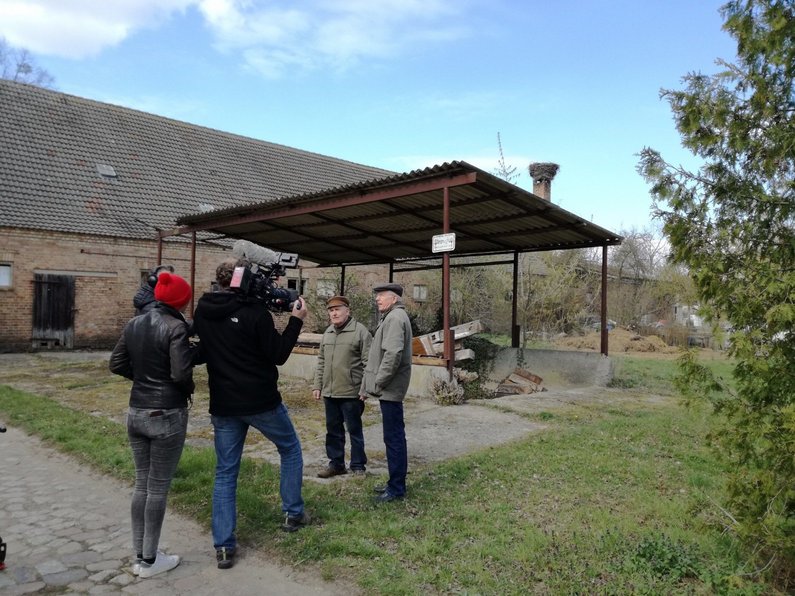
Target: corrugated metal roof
{"points": [[394, 218]]}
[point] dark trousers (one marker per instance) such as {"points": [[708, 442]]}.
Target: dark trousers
{"points": [[341, 414], [397, 456]]}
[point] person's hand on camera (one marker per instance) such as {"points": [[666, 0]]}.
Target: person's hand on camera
{"points": [[299, 309]]}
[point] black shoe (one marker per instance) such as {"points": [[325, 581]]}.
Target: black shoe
{"points": [[293, 524], [387, 497], [331, 472], [379, 488], [358, 472], [225, 557]]}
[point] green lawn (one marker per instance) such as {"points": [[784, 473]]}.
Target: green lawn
{"points": [[615, 500]]}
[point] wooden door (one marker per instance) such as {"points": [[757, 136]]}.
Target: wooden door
{"points": [[53, 311]]}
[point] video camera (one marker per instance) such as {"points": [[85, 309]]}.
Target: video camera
{"points": [[257, 281]]}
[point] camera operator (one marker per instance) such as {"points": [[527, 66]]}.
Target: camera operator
{"points": [[241, 346], [144, 299]]}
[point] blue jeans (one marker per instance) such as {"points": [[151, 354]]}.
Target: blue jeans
{"points": [[397, 456], [342, 413], [230, 436], [156, 439]]}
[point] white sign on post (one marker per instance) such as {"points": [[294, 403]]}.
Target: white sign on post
{"points": [[443, 243]]}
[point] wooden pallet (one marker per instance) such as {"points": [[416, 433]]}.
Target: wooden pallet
{"points": [[520, 382]]}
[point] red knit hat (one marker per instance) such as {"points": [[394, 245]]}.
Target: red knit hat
{"points": [[172, 290]]}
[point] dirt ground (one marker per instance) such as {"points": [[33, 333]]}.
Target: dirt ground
{"points": [[620, 341], [81, 381]]}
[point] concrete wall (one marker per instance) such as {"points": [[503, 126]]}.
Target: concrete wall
{"points": [[558, 368]]}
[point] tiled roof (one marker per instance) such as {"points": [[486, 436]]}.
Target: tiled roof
{"points": [[56, 151]]}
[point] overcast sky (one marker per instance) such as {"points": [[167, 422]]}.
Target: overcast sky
{"points": [[401, 84]]}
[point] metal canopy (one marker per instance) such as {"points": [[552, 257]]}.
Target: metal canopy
{"points": [[393, 219]]}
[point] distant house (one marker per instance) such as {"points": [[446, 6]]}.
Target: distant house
{"points": [[84, 186], [687, 315]]}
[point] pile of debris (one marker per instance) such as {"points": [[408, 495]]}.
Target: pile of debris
{"points": [[520, 382], [432, 344]]}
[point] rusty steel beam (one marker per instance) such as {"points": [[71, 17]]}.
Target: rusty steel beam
{"points": [[349, 199]]}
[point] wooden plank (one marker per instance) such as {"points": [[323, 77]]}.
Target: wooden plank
{"points": [[509, 389], [422, 346], [308, 350], [459, 331], [528, 375], [428, 361], [464, 355], [439, 348], [518, 380], [310, 338]]}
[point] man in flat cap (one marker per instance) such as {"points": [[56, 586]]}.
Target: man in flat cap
{"points": [[386, 377], [338, 379]]}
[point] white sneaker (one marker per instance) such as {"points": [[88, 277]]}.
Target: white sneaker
{"points": [[162, 563], [136, 567]]}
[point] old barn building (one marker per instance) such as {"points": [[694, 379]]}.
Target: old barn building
{"points": [[84, 188], [93, 195]]}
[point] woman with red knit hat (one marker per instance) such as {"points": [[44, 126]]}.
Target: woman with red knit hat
{"points": [[153, 351]]}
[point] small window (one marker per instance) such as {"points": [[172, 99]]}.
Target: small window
{"points": [[420, 293], [293, 285], [6, 278], [106, 171], [326, 288]]}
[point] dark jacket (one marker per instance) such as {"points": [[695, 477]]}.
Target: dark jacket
{"points": [[153, 351], [144, 299], [239, 343]]}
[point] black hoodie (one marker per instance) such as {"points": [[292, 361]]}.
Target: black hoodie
{"points": [[239, 343]]}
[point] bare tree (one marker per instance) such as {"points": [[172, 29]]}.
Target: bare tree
{"points": [[18, 65]]}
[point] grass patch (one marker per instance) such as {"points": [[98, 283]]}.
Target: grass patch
{"points": [[656, 375], [623, 504]]}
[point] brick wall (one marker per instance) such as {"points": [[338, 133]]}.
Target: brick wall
{"points": [[107, 273]]}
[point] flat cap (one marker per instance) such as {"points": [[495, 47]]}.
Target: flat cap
{"points": [[396, 288], [337, 301]]}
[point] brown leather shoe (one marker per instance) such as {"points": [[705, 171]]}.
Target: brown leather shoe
{"points": [[331, 472]]}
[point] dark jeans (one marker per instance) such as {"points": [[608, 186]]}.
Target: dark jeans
{"points": [[156, 442], [397, 457], [342, 413]]}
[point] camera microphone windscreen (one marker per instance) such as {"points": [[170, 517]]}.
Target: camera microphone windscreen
{"points": [[263, 256], [255, 253]]}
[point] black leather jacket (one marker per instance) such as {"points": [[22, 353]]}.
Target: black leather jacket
{"points": [[153, 351]]}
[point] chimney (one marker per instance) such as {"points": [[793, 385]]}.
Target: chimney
{"points": [[542, 175]]}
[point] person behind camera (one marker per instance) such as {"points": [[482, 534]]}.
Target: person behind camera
{"points": [[338, 378], [144, 299], [242, 348], [153, 351], [386, 378]]}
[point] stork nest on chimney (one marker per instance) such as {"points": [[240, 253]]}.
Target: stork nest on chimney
{"points": [[543, 171]]}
